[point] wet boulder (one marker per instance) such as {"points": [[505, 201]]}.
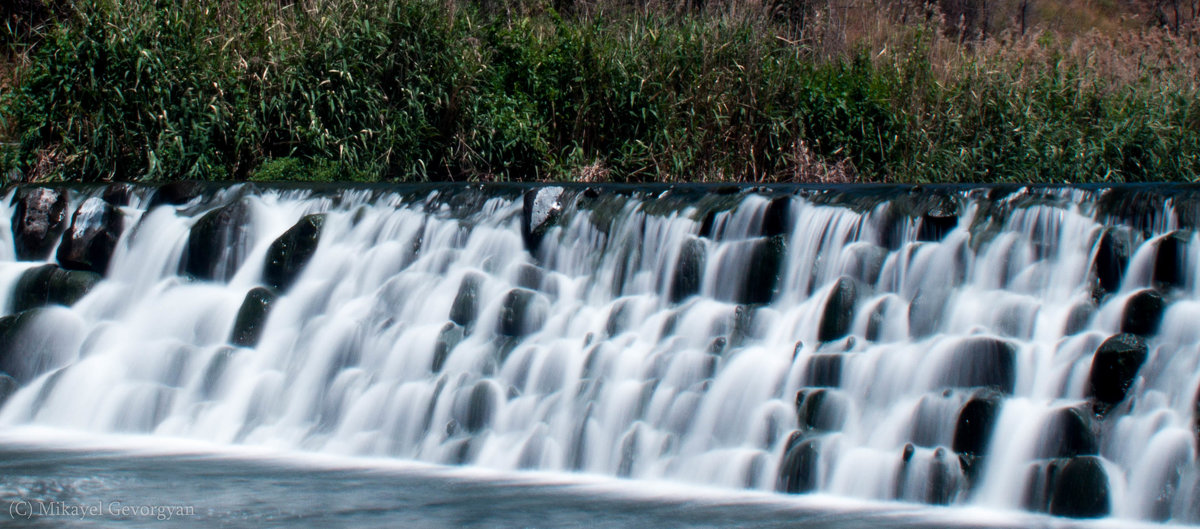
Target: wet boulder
{"points": [[290, 253], [1143, 313], [476, 411], [1075, 487], [940, 218], [689, 270], [798, 471], [252, 317], [89, 242], [175, 194], [117, 195], [982, 362], [51, 285], [40, 217], [1111, 259], [764, 269], [838, 314], [820, 409], [777, 218], [540, 212], [217, 243], [35, 341], [8, 386], [530, 276], [1170, 259], [522, 312], [973, 430], [465, 307], [1069, 432], [1114, 367]]}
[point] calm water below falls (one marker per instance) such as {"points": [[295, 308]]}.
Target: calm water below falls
{"points": [[688, 356]]}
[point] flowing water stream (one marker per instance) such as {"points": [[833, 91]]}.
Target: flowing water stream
{"points": [[1008, 348]]}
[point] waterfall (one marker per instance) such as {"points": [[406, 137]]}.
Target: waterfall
{"points": [[1015, 348]]}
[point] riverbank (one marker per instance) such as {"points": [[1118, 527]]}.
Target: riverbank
{"points": [[411, 90]]}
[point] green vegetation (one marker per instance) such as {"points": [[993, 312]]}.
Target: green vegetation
{"points": [[406, 90]]}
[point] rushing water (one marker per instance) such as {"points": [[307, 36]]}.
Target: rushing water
{"points": [[927, 346]]}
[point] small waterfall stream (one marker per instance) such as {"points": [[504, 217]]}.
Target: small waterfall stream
{"points": [[1023, 348]]}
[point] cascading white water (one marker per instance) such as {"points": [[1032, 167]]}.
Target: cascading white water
{"points": [[848, 348]]}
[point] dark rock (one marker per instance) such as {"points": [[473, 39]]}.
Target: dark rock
{"points": [[763, 273], [824, 370], [1070, 434], [943, 479], [522, 312], [1170, 259], [940, 218], [618, 317], [476, 412], [689, 270], [799, 467], [289, 254], [541, 210], [175, 194], [1114, 367], [927, 310], [89, 243], [820, 409], [448, 338], [777, 219], [117, 195], [629, 443], [217, 243], [1081, 490], [973, 431], [717, 346], [838, 313], [252, 317], [1143, 313], [39, 219], [51, 285], [1112, 257], [466, 302], [982, 362], [36, 341]]}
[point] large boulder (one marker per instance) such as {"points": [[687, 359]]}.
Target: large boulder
{"points": [[89, 243], [1111, 259], [689, 270], [289, 254], [8, 386], [1075, 487], [465, 307], [1114, 367], [763, 271], [541, 209], [40, 217], [217, 243], [252, 317], [940, 218], [522, 312], [838, 314], [981, 362], [798, 471], [51, 285], [777, 218], [1143, 313], [175, 194], [973, 430], [35, 341], [1170, 259]]}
